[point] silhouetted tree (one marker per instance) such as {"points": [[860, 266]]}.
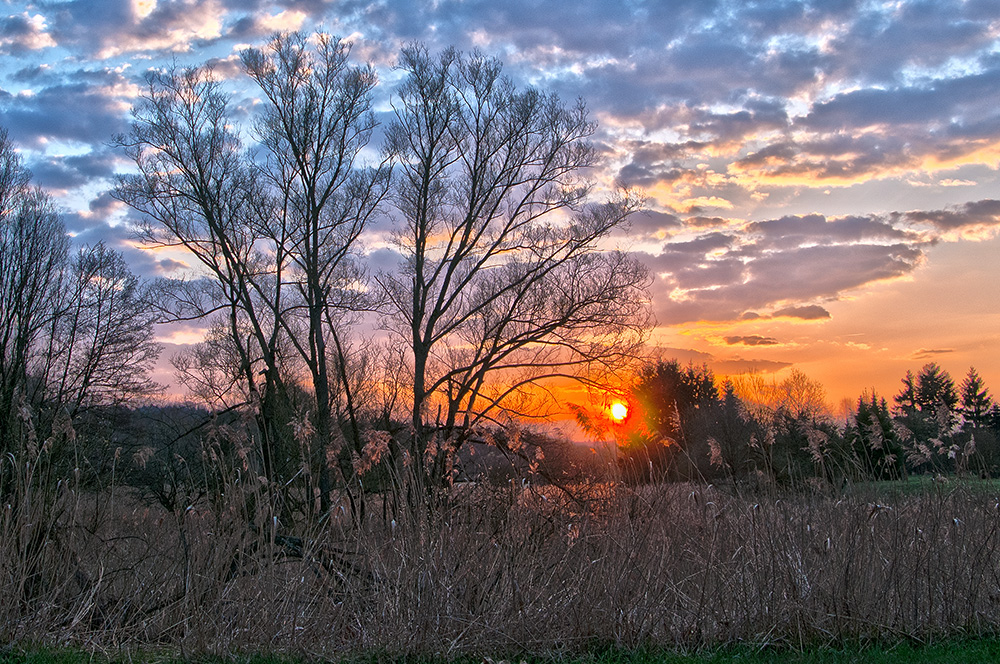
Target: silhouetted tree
{"points": [[503, 284], [873, 440], [277, 233], [676, 406], [926, 411], [33, 255], [196, 192], [732, 429], [315, 124], [976, 400]]}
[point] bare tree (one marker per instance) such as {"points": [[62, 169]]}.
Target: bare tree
{"points": [[505, 284], [197, 192], [33, 253], [100, 346], [76, 336], [316, 123], [276, 230]]}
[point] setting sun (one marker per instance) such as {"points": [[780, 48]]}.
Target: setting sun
{"points": [[619, 411]]}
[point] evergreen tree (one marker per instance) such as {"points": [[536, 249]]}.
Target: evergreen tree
{"points": [[676, 404], [906, 399], [926, 407], [873, 440], [935, 388], [976, 400]]}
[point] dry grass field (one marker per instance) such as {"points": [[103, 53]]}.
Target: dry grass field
{"points": [[505, 569]]}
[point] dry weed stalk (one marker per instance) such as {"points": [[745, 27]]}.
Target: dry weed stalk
{"points": [[511, 568]]}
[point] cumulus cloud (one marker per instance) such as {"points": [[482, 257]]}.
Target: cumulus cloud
{"points": [[21, 33], [63, 172], [86, 106], [713, 108], [109, 28], [782, 265]]}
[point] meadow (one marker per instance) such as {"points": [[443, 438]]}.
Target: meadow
{"points": [[508, 570]]}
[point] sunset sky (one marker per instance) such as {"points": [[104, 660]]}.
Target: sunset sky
{"points": [[821, 176]]}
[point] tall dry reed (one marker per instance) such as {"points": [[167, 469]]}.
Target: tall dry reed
{"points": [[510, 569]]}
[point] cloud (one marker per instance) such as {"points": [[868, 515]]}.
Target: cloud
{"points": [[880, 40], [722, 366], [808, 312], [927, 353], [982, 213], [739, 366], [21, 33], [751, 340], [110, 28], [682, 355], [800, 230], [384, 259], [255, 26], [166, 266], [721, 111], [784, 264], [68, 172], [84, 106], [652, 223]]}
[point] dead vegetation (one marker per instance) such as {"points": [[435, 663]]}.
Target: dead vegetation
{"points": [[502, 568]]}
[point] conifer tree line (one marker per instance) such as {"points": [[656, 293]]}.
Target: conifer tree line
{"points": [[686, 424]]}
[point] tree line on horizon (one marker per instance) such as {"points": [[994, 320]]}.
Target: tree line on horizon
{"points": [[685, 424]]}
